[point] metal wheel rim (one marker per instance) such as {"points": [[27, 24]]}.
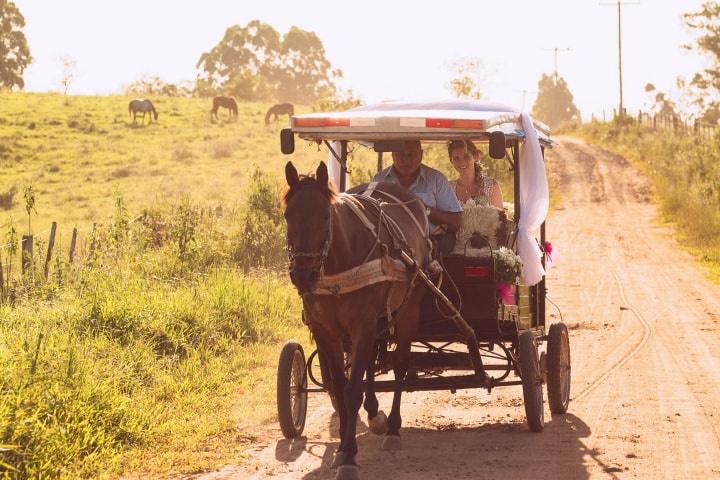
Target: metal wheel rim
{"points": [[298, 385]]}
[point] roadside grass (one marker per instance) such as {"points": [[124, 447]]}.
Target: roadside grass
{"points": [[685, 175], [154, 353]]}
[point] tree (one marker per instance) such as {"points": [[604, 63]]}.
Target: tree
{"points": [[68, 72], [466, 84], [255, 63], [304, 74], [706, 23], [14, 51], [554, 104]]}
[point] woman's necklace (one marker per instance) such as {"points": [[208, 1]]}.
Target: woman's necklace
{"points": [[468, 191]]}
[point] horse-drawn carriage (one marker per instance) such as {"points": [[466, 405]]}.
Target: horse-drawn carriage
{"points": [[467, 335]]}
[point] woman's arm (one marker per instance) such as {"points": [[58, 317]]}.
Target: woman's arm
{"points": [[496, 195]]}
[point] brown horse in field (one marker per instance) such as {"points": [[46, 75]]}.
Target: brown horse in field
{"points": [[140, 105], [279, 109], [225, 102], [325, 237]]}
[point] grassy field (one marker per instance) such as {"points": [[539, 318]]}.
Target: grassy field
{"points": [[153, 351]]}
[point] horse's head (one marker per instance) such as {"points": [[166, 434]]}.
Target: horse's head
{"points": [[308, 213]]}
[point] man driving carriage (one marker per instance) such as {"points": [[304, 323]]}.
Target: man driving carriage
{"points": [[431, 186]]}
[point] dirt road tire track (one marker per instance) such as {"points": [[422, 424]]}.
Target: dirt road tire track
{"points": [[644, 330]]}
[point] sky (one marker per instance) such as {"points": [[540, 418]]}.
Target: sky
{"points": [[386, 49]]}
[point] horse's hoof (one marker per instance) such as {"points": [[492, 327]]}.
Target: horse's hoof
{"points": [[337, 460], [391, 443], [378, 424], [347, 472]]}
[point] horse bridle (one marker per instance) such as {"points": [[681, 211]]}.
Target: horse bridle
{"points": [[318, 258]]}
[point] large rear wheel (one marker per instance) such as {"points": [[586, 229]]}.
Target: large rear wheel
{"points": [[531, 381], [292, 390], [558, 364]]}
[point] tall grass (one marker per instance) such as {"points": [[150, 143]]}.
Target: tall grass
{"points": [[685, 174], [133, 360]]}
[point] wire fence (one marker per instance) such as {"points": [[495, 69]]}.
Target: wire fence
{"points": [[672, 124]]}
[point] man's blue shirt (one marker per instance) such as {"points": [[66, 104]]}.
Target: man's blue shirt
{"points": [[430, 185]]}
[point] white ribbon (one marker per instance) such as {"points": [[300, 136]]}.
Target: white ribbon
{"points": [[534, 203]]}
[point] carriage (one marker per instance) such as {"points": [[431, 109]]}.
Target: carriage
{"points": [[509, 340]]}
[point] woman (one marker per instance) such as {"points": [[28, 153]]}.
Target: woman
{"points": [[471, 183]]}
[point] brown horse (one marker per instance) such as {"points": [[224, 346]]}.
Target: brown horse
{"points": [[225, 102], [143, 106], [325, 237], [279, 109]]}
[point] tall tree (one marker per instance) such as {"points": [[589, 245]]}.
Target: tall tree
{"points": [[14, 51], [554, 104], [304, 74], [255, 63], [706, 24]]}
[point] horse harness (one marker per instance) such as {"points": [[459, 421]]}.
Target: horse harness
{"points": [[385, 268]]}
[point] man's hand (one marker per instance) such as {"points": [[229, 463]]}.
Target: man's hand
{"points": [[452, 220]]}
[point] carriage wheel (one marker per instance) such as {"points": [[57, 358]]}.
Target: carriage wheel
{"points": [[531, 382], [558, 368], [292, 390]]}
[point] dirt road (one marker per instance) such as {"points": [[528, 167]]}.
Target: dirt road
{"points": [[645, 341]]}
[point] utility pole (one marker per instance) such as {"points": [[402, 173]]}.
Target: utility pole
{"points": [[556, 50], [619, 3]]}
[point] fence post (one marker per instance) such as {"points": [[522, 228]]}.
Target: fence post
{"points": [[27, 252], [73, 241], [51, 244], [91, 252]]}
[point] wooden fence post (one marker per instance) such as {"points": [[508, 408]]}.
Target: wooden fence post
{"points": [[73, 241], [51, 244], [27, 252], [91, 252]]}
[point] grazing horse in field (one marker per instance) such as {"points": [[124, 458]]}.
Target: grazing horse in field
{"points": [[143, 106], [279, 109], [226, 102], [326, 236]]}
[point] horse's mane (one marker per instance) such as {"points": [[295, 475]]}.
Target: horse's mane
{"points": [[309, 181]]}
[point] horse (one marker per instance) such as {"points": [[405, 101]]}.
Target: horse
{"points": [[142, 106], [279, 109], [226, 102], [326, 236]]}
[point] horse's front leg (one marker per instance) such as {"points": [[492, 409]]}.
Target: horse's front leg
{"points": [[362, 350], [407, 323]]}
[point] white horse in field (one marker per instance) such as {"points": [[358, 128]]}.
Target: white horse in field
{"points": [[143, 106]]}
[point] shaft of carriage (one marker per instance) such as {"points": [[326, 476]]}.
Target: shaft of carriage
{"points": [[458, 320]]}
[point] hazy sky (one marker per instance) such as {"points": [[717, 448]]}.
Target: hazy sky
{"points": [[386, 49]]}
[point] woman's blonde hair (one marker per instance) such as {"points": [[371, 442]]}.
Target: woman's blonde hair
{"points": [[469, 147]]}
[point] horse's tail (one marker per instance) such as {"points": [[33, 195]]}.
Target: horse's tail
{"points": [[130, 109], [267, 115]]}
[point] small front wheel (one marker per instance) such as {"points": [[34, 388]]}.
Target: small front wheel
{"points": [[292, 390], [558, 373], [531, 382]]}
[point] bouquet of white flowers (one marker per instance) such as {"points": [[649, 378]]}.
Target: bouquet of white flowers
{"points": [[508, 266], [477, 217]]}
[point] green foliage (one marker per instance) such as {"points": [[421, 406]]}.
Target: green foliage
{"points": [[706, 24], [14, 51], [255, 63], [554, 104], [466, 80]]}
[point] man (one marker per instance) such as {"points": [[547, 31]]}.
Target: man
{"points": [[431, 186]]}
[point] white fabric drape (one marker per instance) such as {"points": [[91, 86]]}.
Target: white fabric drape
{"points": [[534, 203], [334, 167]]}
